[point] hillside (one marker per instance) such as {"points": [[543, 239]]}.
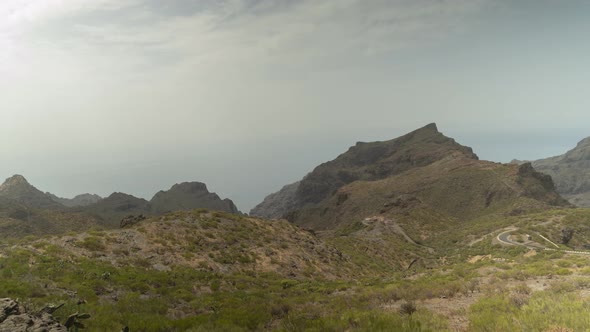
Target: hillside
{"points": [[202, 269], [429, 197], [363, 162], [571, 173], [456, 189]]}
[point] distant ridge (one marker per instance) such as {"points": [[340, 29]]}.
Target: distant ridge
{"points": [[180, 197], [25, 209], [80, 200]]}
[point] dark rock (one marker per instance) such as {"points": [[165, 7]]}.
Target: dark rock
{"points": [[14, 318], [132, 220]]}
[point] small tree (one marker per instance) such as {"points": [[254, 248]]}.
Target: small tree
{"points": [[566, 235]]}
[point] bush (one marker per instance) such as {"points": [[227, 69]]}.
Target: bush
{"points": [[408, 308], [92, 243]]}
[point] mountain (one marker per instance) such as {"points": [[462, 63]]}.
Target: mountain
{"points": [[80, 200], [456, 189], [190, 196], [571, 173], [18, 189], [417, 180], [363, 162], [25, 210]]}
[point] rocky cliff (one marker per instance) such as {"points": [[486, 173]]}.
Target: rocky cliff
{"points": [[570, 172]]}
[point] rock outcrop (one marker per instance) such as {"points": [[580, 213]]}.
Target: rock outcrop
{"points": [[132, 220], [14, 318]]}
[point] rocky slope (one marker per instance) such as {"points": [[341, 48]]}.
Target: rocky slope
{"points": [[455, 188], [189, 196], [363, 162], [276, 205], [15, 318], [571, 173], [215, 241]]}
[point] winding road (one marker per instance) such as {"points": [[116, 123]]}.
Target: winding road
{"points": [[504, 238]]}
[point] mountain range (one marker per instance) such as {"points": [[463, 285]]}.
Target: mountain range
{"points": [[25, 209]]}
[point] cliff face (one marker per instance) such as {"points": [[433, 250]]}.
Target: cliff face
{"points": [[363, 162], [570, 172], [275, 205]]}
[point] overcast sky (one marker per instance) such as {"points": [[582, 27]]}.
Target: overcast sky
{"points": [[249, 95]]}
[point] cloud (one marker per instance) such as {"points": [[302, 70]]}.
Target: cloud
{"points": [[92, 83]]}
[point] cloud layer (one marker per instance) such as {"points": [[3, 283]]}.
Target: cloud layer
{"points": [[131, 95]]}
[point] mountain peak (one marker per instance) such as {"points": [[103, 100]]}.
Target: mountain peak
{"points": [[14, 180], [430, 127], [19, 189]]}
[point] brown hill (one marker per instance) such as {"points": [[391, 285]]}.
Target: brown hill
{"points": [[363, 162]]}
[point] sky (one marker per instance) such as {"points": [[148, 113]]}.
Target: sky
{"points": [[249, 95]]}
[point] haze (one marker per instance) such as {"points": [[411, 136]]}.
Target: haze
{"points": [[247, 95]]}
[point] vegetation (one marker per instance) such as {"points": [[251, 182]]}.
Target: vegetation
{"points": [[250, 285]]}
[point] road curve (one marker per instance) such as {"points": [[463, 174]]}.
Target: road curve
{"points": [[504, 237]]}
